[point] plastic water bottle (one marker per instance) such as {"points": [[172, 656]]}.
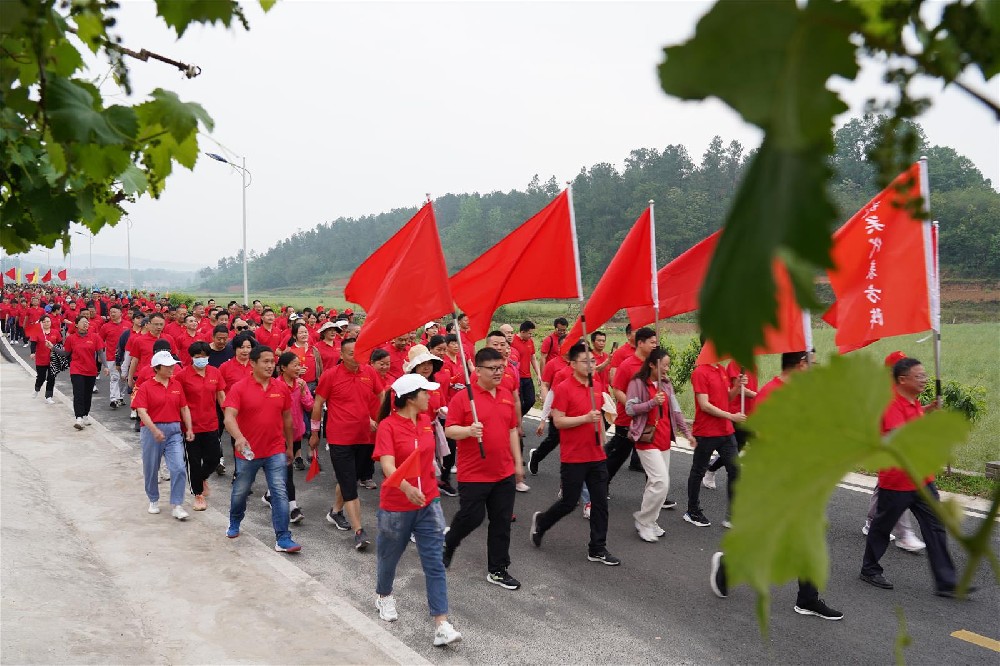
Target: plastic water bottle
{"points": [[247, 452]]}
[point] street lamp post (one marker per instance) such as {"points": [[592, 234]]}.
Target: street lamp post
{"points": [[243, 171], [91, 234]]}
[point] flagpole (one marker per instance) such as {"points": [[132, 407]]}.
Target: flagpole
{"points": [[468, 380], [655, 286], [932, 277], [583, 317]]}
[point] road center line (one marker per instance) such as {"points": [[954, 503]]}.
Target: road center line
{"points": [[976, 639]]}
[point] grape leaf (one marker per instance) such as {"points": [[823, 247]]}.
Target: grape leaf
{"points": [[73, 116], [177, 117], [179, 14], [807, 436], [133, 180], [267, 4], [90, 29]]}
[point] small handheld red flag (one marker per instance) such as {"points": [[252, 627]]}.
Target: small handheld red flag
{"points": [[48, 276], [313, 469], [408, 468]]}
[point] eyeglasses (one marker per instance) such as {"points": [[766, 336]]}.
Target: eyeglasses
{"points": [[242, 328], [495, 369]]}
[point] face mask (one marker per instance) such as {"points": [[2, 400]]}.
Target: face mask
{"points": [[200, 362]]}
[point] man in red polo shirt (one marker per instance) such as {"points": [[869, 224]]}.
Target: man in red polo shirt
{"points": [[744, 402], [551, 375], [111, 332], [259, 419], [583, 459], [622, 353], [524, 343], [713, 427], [553, 341], [898, 492], [486, 485], [347, 390], [140, 347], [398, 349]]}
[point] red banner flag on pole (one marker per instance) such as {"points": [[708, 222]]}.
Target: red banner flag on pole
{"points": [[402, 284], [11, 273], [882, 278], [628, 281], [48, 276], [408, 469], [29, 277], [536, 260], [62, 275], [679, 283]]}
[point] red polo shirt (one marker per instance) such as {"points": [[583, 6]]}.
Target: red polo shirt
{"points": [[578, 444], [604, 374], [623, 375], [550, 347], [621, 354], [348, 396], [233, 371], [713, 381], [552, 369], [84, 350], [397, 357], [260, 417], [398, 437], [768, 388], [202, 392], [141, 347], [526, 352], [498, 416], [163, 403], [270, 338], [43, 355], [111, 333], [733, 371], [899, 411], [328, 354]]}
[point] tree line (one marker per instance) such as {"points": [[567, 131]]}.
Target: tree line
{"points": [[691, 203]]}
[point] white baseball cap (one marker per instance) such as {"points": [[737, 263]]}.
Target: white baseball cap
{"points": [[411, 382], [341, 323], [431, 323], [163, 358]]}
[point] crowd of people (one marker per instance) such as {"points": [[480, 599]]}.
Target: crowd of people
{"points": [[275, 385]]}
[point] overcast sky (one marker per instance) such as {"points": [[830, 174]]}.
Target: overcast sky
{"points": [[346, 109]]}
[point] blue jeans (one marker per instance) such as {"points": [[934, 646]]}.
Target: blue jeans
{"points": [[171, 448], [274, 471], [394, 529]]}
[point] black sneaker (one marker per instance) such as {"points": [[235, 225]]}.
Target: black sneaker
{"points": [[300, 464], [636, 468], [717, 578], [819, 609], [295, 515], [361, 540], [952, 593], [266, 498], [503, 579], [697, 518], [446, 489], [532, 463], [533, 533], [339, 520], [221, 469], [447, 555], [669, 504], [604, 557], [878, 580], [114, 404]]}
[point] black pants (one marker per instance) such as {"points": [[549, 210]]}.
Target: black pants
{"points": [[741, 440], [43, 375], [891, 505], [618, 450], [475, 502], [547, 445], [527, 390], [83, 393], [807, 593], [573, 476], [726, 446], [448, 462], [366, 468], [203, 454]]}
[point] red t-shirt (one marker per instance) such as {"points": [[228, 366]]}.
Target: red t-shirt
{"points": [[260, 417], [713, 381], [162, 402], [397, 357], [111, 333], [173, 329], [552, 368], [307, 357], [526, 352], [233, 371], [43, 355], [140, 347], [84, 350], [663, 434], [202, 393], [578, 444], [733, 371], [398, 436], [348, 397], [455, 372], [767, 389], [623, 375], [269, 338], [550, 347], [899, 412], [605, 374], [328, 354], [621, 354], [185, 340], [499, 416], [510, 380]]}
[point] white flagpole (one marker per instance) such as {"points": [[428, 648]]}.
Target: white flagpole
{"points": [[468, 381], [931, 274], [807, 333], [654, 282], [598, 431]]}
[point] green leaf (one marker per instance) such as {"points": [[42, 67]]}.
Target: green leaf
{"points": [[100, 163], [63, 58], [74, 116], [179, 14], [826, 421], [133, 180], [122, 120], [177, 117], [90, 30], [12, 14], [267, 4]]}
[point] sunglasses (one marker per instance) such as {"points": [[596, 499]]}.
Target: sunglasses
{"points": [[242, 328]]}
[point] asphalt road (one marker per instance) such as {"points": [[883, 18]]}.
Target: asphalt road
{"points": [[655, 608]]}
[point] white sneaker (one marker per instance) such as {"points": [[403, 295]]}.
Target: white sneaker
{"points": [[659, 531], [164, 474], [78, 424], [36, 394], [864, 530], [179, 513], [709, 480], [911, 543], [153, 507], [87, 421], [647, 534], [446, 634], [50, 401], [387, 608], [522, 487], [586, 510]]}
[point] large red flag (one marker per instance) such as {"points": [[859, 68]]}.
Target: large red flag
{"points": [[882, 278], [11, 273], [628, 280], [29, 277], [536, 260], [402, 284], [679, 283], [408, 469], [48, 276], [62, 275]]}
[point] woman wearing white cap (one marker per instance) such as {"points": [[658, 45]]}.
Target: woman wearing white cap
{"points": [[162, 407], [413, 506], [427, 365]]}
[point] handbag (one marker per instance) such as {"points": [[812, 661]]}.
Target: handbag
{"points": [[59, 360], [647, 434]]}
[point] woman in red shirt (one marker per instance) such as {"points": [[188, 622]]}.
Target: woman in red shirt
{"points": [[41, 350], [656, 417], [162, 407], [328, 345], [310, 365], [287, 369], [410, 505], [204, 389]]}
